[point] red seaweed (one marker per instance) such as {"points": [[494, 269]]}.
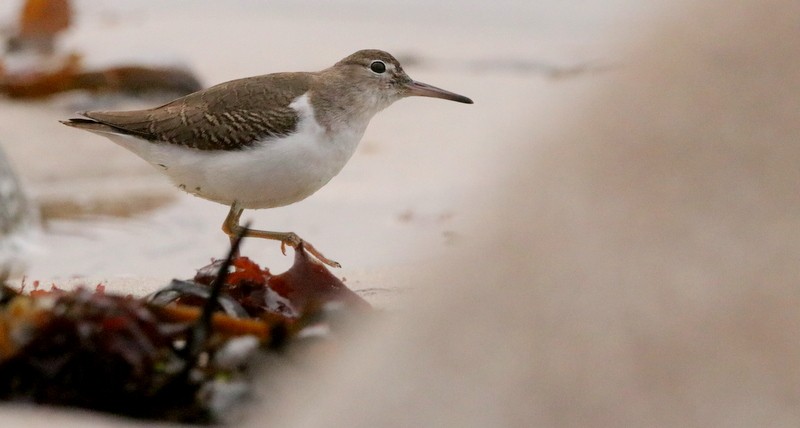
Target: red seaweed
{"points": [[155, 357]]}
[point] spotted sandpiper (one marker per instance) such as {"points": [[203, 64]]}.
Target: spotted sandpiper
{"points": [[264, 141]]}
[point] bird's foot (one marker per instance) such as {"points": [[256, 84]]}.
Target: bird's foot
{"points": [[295, 241]]}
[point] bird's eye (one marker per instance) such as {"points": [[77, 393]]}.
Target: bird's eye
{"points": [[377, 67]]}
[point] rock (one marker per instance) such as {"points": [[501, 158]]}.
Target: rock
{"points": [[18, 220]]}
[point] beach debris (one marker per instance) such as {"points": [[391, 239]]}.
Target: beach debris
{"points": [[40, 21], [307, 284], [33, 67], [182, 354], [131, 80]]}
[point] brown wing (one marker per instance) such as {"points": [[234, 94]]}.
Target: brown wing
{"points": [[229, 116]]}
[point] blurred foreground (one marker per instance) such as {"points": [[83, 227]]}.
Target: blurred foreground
{"points": [[635, 266], [638, 268]]}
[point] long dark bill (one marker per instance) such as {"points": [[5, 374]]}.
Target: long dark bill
{"points": [[424, 90]]}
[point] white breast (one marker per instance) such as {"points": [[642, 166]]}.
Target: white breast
{"points": [[271, 173]]}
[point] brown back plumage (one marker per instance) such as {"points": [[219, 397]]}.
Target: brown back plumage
{"points": [[229, 116]]}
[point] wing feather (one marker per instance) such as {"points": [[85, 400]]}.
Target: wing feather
{"points": [[230, 116]]}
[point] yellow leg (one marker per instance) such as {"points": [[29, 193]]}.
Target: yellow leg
{"points": [[232, 228]]}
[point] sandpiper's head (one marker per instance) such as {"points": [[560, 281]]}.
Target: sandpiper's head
{"points": [[380, 71]]}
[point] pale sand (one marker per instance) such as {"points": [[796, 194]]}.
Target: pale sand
{"points": [[402, 199], [424, 168]]}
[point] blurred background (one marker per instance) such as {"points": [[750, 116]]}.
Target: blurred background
{"points": [[404, 196]]}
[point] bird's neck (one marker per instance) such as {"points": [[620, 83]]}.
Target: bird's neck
{"points": [[342, 104]]}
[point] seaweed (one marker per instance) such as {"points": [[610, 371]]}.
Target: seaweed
{"points": [[40, 23], [168, 356]]}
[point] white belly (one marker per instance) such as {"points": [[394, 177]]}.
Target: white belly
{"points": [[266, 175]]}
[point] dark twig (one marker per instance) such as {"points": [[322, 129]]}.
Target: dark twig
{"points": [[201, 330], [179, 288]]}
